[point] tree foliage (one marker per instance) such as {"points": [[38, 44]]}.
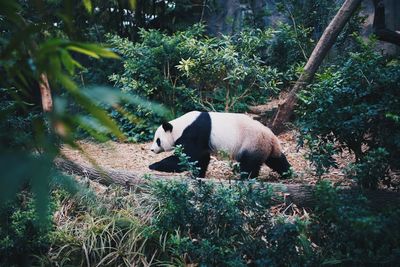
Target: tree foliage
{"points": [[355, 104], [29, 137], [352, 105], [190, 222], [190, 71], [187, 70]]}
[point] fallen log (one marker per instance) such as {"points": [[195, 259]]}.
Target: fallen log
{"points": [[262, 109], [299, 194]]}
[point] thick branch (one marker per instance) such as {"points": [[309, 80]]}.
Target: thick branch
{"points": [[326, 41], [379, 25], [301, 195]]}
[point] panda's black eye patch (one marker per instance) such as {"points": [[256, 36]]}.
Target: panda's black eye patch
{"points": [[158, 141]]}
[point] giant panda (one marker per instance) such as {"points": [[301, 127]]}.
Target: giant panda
{"points": [[201, 133]]}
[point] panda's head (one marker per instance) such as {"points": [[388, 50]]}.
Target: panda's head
{"points": [[163, 139]]}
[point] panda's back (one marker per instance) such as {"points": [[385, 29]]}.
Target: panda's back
{"points": [[231, 132]]}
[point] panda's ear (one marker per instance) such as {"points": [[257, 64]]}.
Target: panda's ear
{"points": [[167, 126]]}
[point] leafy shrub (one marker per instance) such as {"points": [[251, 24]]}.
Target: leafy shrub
{"points": [[22, 233], [187, 71], [136, 122], [215, 225], [289, 48], [371, 169], [355, 104], [191, 222], [184, 161], [312, 14], [321, 153], [315, 15], [348, 233], [16, 129]]}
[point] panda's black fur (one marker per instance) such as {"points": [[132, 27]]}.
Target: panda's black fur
{"points": [[196, 143]]}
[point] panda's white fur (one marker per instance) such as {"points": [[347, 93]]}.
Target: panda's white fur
{"points": [[168, 138], [236, 134]]}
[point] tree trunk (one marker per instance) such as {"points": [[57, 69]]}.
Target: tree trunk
{"points": [[258, 8], [379, 25], [45, 92], [222, 17], [328, 38], [301, 195]]}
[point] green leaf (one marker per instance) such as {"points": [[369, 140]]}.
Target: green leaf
{"points": [[111, 96], [93, 127], [82, 51], [132, 4], [99, 50], [41, 187], [20, 168], [90, 106], [88, 5], [15, 169], [52, 45], [92, 50], [68, 62], [10, 9]]}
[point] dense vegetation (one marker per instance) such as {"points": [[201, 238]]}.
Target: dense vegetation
{"points": [[185, 222], [154, 52], [354, 105], [190, 71]]}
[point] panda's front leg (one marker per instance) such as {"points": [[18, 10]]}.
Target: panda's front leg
{"points": [[202, 163], [169, 164]]}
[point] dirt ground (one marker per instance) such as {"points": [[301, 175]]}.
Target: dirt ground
{"points": [[137, 158]]}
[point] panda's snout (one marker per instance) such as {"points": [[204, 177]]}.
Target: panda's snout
{"points": [[154, 150]]}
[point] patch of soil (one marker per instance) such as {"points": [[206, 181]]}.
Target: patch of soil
{"points": [[137, 158]]}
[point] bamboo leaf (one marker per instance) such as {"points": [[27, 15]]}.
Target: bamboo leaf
{"points": [[90, 106], [82, 51], [111, 96], [132, 4], [68, 62], [99, 50], [88, 5]]}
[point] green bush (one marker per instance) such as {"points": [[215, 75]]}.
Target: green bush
{"points": [[371, 169], [188, 71], [22, 233], [137, 122], [315, 15], [348, 233], [289, 49], [215, 225], [312, 14], [98, 230], [16, 128], [191, 222], [355, 105]]}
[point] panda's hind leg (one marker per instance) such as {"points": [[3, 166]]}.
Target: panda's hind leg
{"points": [[250, 165]]}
